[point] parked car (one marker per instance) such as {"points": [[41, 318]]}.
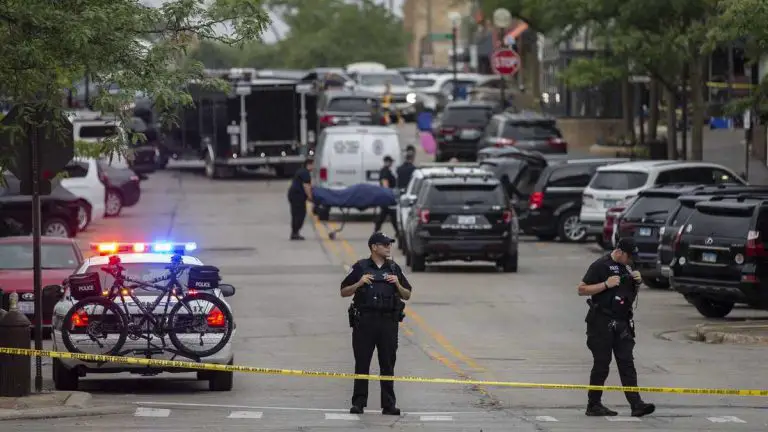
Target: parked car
{"points": [[83, 179], [554, 203], [459, 129], [720, 255], [526, 130], [58, 210], [123, 188], [610, 226], [344, 107], [59, 257], [468, 219], [615, 183]]}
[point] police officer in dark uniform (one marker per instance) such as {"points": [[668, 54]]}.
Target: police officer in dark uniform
{"points": [[298, 194], [388, 180], [378, 286], [613, 286], [405, 171]]}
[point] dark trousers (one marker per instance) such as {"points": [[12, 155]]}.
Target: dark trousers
{"points": [[607, 338], [298, 214], [383, 213], [375, 331]]}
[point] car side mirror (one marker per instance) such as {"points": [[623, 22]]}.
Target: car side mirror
{"points": [[53, 291], [227, 290]]}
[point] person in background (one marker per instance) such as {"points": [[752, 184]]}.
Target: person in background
{"points": [[386, 179], [298, 194], [405, 171]]}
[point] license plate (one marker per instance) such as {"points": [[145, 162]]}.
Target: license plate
{"points": [[467, 220], [609, 203], [645, 232], [709, 257], [373, 175], [469, 134], [26, 307]]}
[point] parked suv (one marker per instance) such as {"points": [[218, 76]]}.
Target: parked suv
{"points": [[466, 219], [344, 107], [460, 128], [555, 202], [720, 255], [526, 130]]}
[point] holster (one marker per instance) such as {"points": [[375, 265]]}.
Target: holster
{"points": [[592, 311], [400, 311], [354, 315]]}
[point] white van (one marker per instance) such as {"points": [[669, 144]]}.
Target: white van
{"points": [[349, 155], [614, 184]]}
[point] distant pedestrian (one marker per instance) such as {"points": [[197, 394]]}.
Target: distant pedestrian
{"points": [[298, 194], [405, 171], [386, 179]]}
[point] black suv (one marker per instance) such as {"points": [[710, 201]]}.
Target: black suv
{"points": [[463, 219], [526, 130], [554, 203], [344, 107], [720, 255], [460, 128]]}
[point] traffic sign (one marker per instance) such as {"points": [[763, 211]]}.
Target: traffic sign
{"points": [[40, 143], [505, 62]]}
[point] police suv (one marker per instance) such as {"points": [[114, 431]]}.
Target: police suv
{"points": [[144, 261]]}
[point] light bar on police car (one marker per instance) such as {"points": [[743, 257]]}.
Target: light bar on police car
{"points": [[156, 247]]}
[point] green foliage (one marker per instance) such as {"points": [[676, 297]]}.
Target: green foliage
{"points": [[589, 72], [47, 46]]}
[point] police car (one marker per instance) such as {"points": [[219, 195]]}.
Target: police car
{"points": [[144, 261]]}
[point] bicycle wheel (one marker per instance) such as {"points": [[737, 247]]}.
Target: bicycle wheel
{"points": [[210, 322], [97, 322]]}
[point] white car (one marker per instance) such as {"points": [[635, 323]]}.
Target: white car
{"points": [[144, 265], [411, 193], [613, 184], [84, 181]]}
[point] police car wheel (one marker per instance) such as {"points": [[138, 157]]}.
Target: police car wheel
{"points": [[221, 381], [64, 379]]}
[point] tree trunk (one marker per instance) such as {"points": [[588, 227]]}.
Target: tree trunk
{"points": [[627, 109], [653, 110], [697, 106], [671, 99]]}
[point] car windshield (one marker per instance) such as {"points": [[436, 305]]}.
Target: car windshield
{"points": [[618, 180], [653, 207], [720, 225], [369, 79], [449, 195], [54, 256], [530, 131], [141, 271], [349, 105], [101, 131], [467, 115]]}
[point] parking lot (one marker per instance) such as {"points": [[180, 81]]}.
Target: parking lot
{"points": [[464, 321]]}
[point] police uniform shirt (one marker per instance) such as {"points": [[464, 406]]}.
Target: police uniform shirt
{"points": [[603, 268], [296, 191], [386, 174], [404, 174], [358, 270]]}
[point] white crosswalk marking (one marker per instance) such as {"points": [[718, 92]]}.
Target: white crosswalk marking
{"points": [[435, 418], [151, 412], [245, 415], [546, 419], [623, 419], [725, 419], [337, 416]]}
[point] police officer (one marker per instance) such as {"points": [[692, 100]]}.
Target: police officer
{"points": [[378, 286], [388, 180], [613, 286], [298, 194], [405, 171]]}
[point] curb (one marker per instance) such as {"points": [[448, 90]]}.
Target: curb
{"points": [[64, 411], [716, 335], [78, 400]]}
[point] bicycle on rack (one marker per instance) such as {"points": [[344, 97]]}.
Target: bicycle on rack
{"points": [[123, 316]]}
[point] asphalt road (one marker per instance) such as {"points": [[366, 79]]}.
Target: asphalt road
{"points": [[464, 320]]}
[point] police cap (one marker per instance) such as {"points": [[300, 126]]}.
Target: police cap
{"points": [[628, 246], [379, 238]]}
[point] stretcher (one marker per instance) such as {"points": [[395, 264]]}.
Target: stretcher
{"points": [[361, 197]]}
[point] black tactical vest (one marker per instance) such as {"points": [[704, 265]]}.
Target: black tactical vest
{"points": [[380, 295]]}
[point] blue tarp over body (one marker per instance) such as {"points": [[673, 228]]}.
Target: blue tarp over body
{"points": [[360, 196]]}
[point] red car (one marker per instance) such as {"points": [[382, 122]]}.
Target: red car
{"points": [[60, 257]]}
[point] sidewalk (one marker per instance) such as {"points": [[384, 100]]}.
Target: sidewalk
{"points": [[54, 405], [737, 333]]}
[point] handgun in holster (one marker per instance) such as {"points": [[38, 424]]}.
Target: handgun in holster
{"points": [[400, 310], [354, 314]]}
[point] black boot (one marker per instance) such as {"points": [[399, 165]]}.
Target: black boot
{"points": [[599, 410], [391, 411], [643, 409], [356, 409]]}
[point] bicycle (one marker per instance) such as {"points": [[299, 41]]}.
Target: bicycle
{"points": [[86, 289]]}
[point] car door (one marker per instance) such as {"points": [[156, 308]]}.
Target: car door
{"points": [[345, 159], [566, 186], [17, 207], [374, 147], [76, 180]]}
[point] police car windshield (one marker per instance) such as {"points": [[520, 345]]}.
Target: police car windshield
{"points": [[54, 256], [140, 271], [460, 195]]}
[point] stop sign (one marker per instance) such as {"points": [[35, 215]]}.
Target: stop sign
{"points": [[505, 61]]}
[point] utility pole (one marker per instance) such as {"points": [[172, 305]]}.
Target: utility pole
{"points": [[431, 48]]}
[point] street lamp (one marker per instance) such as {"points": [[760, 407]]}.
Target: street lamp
{"points": [[455, 18], [502, 19]]}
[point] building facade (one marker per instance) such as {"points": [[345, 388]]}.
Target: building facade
{"points": [[428, 23]]}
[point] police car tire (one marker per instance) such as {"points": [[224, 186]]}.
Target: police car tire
{"points": [[217, 303], [64, 379], [221, 381], [108, 305]]}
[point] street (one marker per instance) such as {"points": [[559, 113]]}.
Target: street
{"points": [[464, 321]]}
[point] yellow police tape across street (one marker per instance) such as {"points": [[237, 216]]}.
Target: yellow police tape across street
{"points": [[269, 371]]}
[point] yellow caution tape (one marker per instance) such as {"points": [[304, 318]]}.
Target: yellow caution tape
{"points": [[741, 86], [268, 371]]}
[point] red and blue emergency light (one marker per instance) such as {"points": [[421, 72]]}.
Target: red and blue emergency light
{"points": [[110, 248]]}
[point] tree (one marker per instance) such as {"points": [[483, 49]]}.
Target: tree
{"points": [[48, 46]]}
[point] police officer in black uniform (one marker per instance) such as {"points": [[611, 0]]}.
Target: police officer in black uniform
{"points": [[388, 180], [298, 194], [405, 171], [613, 286], [378, 286]]}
